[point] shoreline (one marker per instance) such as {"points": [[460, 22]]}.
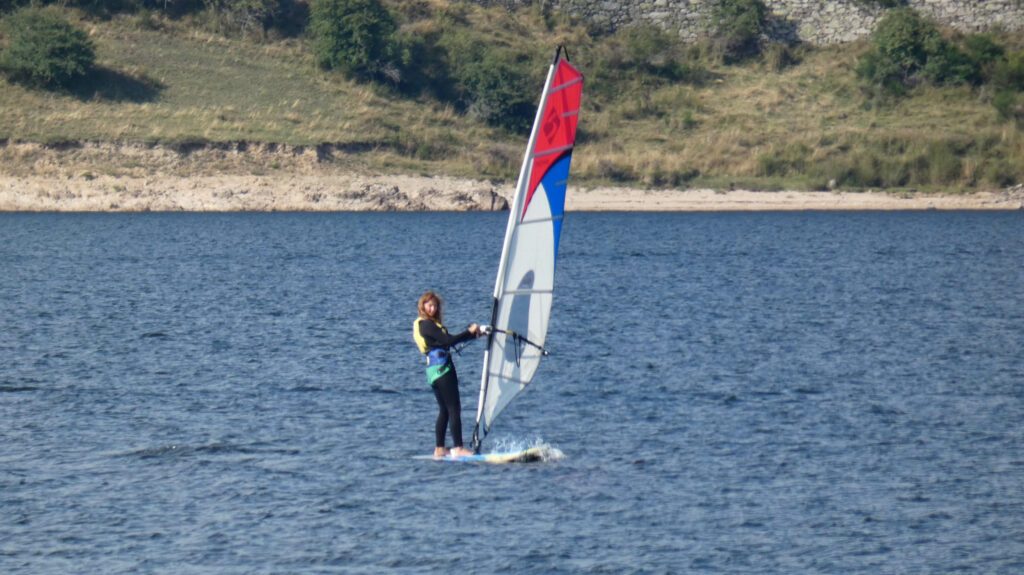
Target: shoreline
{"points": [[126, 177], [355, 192], [707, 200]]}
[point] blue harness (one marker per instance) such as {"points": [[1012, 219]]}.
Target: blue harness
{"points": [[437, 356]]}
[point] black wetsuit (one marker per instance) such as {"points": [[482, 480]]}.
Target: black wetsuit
{"points": [[446, 387]]}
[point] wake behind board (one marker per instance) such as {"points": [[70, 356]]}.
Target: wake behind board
{"points": [[521, 456]]}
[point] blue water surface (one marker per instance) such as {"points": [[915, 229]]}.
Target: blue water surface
{"points": [[733, 393]]}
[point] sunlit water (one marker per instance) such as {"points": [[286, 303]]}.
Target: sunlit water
{"points": [[731, 393]]}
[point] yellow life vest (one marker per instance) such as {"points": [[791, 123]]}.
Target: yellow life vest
{"points": [[420, 342], [438, 361]]}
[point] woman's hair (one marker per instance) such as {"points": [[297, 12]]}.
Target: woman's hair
{"points": [[427, 296]]}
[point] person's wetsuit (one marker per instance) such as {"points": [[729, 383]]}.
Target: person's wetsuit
{"points": [[435, 341]]}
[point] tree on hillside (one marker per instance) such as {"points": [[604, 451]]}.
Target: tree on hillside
{"points": [[492, 82], [906, 48], [45, 50], [1008, 81], [355, 37]]}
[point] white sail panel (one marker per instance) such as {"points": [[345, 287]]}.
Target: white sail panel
{"points": [[524, 286], [524, 307]]}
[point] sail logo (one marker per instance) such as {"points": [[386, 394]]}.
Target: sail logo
{"points": [[551, 124]]}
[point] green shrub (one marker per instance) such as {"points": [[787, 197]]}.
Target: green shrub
{"points": [[906, 48], [1008, 73], [354, 37], [946, 64], [1000, 173], [1008, 105], [1005, 73], [736, 27], [498, 89], [497, 83], [44, 49], [424, 64], [983, 50], [897, 49], [631, 63]]}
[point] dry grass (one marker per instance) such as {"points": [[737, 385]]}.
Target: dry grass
{"points": [[799, 127], [210, 88]]}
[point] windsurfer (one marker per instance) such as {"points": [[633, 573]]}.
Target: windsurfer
{"points": [[433, 339]]}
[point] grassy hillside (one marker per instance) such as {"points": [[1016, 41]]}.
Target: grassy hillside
{"points": [[752, 125], [178, 86]]}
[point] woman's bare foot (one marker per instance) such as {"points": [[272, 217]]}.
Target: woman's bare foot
{"points": [[440, 451], [461, 452]]}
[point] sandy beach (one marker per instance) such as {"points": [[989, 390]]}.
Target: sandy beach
{"points": [[120, 177], [704, 200], [319, 192]]}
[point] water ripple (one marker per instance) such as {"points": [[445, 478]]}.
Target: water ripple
{"points": [[727, 393]]}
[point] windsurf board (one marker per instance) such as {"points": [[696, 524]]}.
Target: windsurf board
{"points": [[520, 456]]}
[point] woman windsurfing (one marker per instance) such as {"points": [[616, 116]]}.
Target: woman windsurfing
{"points": [[435, 342]]}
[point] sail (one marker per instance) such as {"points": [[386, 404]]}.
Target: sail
{"points": [[523, 289]]}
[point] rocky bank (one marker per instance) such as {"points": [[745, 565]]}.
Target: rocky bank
{"points": [[102, 177]]}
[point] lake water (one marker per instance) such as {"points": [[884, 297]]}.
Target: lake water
{"points": [[733, 393]]}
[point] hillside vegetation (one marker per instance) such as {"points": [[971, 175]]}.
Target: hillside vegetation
{"points": [[656, 112]]}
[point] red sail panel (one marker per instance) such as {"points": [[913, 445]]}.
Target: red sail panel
{"points": [[557, 132]]}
